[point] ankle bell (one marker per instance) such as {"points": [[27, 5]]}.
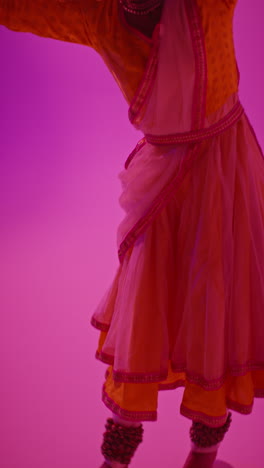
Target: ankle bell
{"points": [[120, 442]]}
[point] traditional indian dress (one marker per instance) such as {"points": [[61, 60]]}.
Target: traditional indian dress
{"points": [[186, 306]]}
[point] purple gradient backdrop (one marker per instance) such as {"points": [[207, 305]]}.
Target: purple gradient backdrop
{"points": [[64, 138]]}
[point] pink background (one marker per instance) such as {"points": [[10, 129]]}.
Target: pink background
{"points": [[64, 138]]}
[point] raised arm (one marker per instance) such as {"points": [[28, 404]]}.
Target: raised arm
{"points": [[64, 20]]}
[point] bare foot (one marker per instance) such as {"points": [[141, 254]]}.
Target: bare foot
{"points": [[113, 465], [200, 460]]}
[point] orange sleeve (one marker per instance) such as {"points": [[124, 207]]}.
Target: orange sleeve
{"points": [[64, 20]]}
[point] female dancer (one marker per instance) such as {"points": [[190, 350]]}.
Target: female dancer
{"points": [[186, 305]]}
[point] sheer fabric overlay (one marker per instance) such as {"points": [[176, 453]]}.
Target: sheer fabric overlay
{"points": [[185, 308], [189, 296]]}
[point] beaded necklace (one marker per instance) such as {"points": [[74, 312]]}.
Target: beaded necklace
{"points": [[140, 7]]}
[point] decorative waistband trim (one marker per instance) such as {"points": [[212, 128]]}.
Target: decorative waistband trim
{"points": [[196, 136]]}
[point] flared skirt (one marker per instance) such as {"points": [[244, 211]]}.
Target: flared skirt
{"points": [[186, 306]]}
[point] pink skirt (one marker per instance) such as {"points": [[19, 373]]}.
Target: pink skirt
{"points": [[186, 307]]}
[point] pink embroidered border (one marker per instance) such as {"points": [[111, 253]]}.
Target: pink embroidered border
{"points": [[151, 377], [200, 85], [234, 370], [99, 325], [203, 134], [130, 415], [190, 414], [138, 147], [212, 421], [106, 358], [137, 377], [172, 385], [135, 111]]}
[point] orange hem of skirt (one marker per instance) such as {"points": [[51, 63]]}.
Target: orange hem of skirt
{"points": [[139, 401]]}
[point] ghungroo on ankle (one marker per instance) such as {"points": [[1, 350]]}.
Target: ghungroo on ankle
{"points": [[205, 436], [120, 442]]}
